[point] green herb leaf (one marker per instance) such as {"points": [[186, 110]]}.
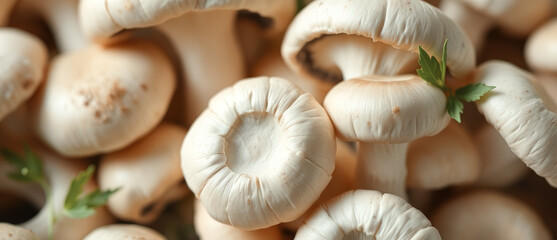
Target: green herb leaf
{"points": [[300, 4], [473, 92], [454, 107], [28, 167], [76, 207], [431, 69], [444, 61]]}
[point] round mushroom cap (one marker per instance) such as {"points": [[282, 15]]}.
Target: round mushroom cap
{"points": [[390, 109], [260, 154], [101, 19], [208, 228], [124, 231], [367, 214], [541, 49], [523, 114], [101, 99], [24, 58], [488, 215], [445, 159], [147, 173], [401, 24], [9, 232]]}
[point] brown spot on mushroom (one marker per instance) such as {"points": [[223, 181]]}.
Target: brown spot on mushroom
{"points": [[27, 84], [249, 201], [10, 235], [144, 87], [368, 124], [97, 114], [396, 110]]}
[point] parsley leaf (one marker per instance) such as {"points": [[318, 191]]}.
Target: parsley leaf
{"points": [[82, 207], [472, 92], [28, 167], [434, 73]]}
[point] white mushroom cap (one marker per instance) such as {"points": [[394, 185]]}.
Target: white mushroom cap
{"points": [[541, 49], [445, 159], [260, 154], [147, 173], [101, 99], [208, 228], [488, 215], [523, 114], [385, 24], [12, 232], [124, 231], [366, 214], [24, 58]]}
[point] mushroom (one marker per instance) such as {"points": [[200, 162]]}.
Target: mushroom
{"points": [[488, 215], [367, 214], [5, 10], [500, 167], [448, 158], [356, 40], [61, 18], [24, 58], [208, 228], [9, 231], [541, 49], [516, 17], [147, 173], [203, 34], [124, 231], [260, 154], [101, 99], [523, 114]]}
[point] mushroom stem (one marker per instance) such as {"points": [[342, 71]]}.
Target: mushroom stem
{"points": [[210, 55], [382, 167], [475, 24]]}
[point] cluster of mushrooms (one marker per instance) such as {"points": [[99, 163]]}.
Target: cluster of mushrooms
{"points": [[259, 119]]}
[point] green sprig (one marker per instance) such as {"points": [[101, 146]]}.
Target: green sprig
{"points": [[434, 72]]}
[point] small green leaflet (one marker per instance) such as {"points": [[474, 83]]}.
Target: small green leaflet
{"points": [[76, 207], [434, 73], [29, 166]]}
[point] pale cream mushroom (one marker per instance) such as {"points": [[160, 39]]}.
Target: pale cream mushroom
{"points": [[516, 17], [339, 40], [124, 231], [488, 215], [24, 58], [5, 10], [448, 158], [101, 99], [523, 114], [12, 232], [384, 114], [500, 167], [202, 31], [61, 18], [147, 174], [367, 214], [208, 228], [541, 49], [260, 154]]}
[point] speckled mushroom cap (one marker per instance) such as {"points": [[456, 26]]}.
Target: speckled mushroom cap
{"points": [[367, 214], [400, 24], [389, 109], [541, 49], [147, 173], [488, 215], [523, 114], [124, 231], [100, 19], [101, 99], [12, 232], [260, 154], [23, 58]]}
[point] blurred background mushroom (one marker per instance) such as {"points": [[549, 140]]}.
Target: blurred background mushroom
{"points": [[124, 231], [9, 231]]}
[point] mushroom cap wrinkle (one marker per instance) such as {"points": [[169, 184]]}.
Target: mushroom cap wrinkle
{"points": [[402, 24], [488, 215], [124, 231], [9, 232], [523, 114], [101, 99], [24, 58], [147, 173], [389, 109], [260, 154], [367, 214]]}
